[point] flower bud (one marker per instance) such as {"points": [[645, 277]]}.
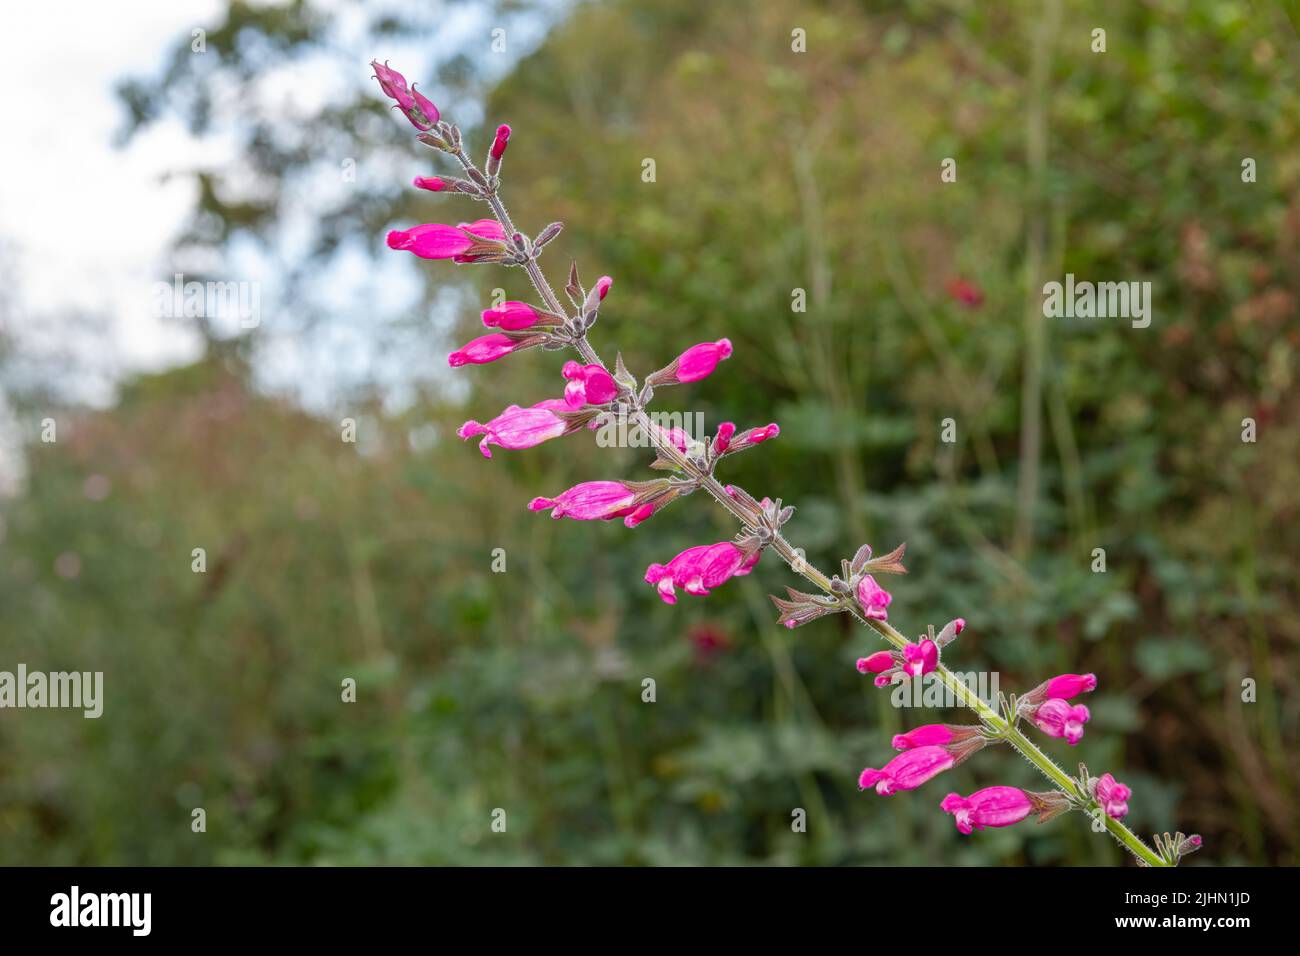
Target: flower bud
{"points": [[489, 348], [417, 108], [695, 363], [722, 440], [935, 735], [1057, 718], [500, 142], [1061, 687], [513, 316], [1112, 796], [950, 632], [596, 296], [877, 663]]}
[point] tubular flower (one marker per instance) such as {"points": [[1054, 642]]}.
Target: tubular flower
{"points": [[432, 183], [935, 735], [990, 807], [1113, 796], [488, 348], [1070, 685], [518, 428], [873, 599], [634, 502], [728, 442], [877, 663], [695, 363], [908, 770], [515, 316], [588, 385], [1056, 718], [921, 658], [1061, 687], [479, 241], [700, 568]]}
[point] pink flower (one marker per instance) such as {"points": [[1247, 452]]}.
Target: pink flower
{"points": [[1061, 687], [877, 663], [921, 658], [1189, 845], [679, 438], [873, 599], [699, 361], [517, 428], [415, 105], [588, 385], [468, 242], [965, 292], [700, 568], [758, 435], [933, 735], [603, 501], [990, 807], [431, 183], [513, 316], [499, 142], [1113, 796], [589, 501], [908, 770], [640, 513], [597, 295], [722, 440], [484, 349], [1056, 718], [1070, 685], [728, 442], [950, 632], [695, 363]]}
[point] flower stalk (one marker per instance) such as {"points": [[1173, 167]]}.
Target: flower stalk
{"points": [[761, 530]]}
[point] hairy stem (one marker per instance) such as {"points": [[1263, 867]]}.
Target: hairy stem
{"points": [[794, 557]]}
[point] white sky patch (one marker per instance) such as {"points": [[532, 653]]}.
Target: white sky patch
{"points": [[90, 223], [87, 227]]}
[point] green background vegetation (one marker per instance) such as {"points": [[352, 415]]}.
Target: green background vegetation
{"points": [[775, 171]]}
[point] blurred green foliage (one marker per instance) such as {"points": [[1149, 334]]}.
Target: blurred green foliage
{"points": [[521, 690]]}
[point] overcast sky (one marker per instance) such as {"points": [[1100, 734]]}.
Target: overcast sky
{"points": [[88, 224], [85, 227]]}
